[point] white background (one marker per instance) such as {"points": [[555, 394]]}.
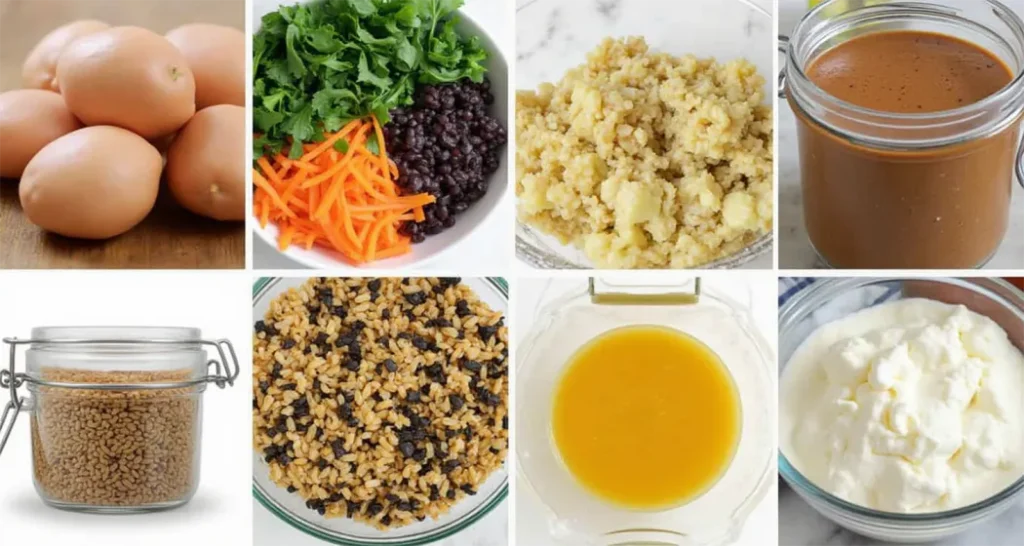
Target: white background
{"points": [[762, 526], [216, 302]]}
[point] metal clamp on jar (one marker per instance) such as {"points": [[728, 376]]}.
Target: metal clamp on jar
{"points": [[115, 413]]}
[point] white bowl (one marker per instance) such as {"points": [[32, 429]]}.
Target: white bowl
{"points": [[467, 221]]}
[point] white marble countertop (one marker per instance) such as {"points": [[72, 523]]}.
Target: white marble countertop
{"points": [[795, 250], [799, 524]]}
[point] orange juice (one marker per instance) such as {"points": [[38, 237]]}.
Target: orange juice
{"points": [[646, 417]]}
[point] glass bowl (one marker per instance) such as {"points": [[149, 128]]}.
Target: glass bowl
{"points": [[724, 29], [291, 508], [472, 220], [569, 319], [830, 299]]}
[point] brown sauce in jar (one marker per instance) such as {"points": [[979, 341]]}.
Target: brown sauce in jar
{"points": [[937, 208]]}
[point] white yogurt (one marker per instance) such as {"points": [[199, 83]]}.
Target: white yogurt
{"points": [[908, 406]]}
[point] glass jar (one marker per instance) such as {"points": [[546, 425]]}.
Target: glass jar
{"points": [[115, 413], [911, 191], [832, 299], [568, 320]]}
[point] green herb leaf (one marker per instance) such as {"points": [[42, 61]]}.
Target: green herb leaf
{"points": [[320, 64]]}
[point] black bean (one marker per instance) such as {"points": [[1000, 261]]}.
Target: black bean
{"points": [[455, 401], [260, 326], [338, 447], [339, 311], [471, 365], [420, 343], [404, 506], [406, 448], [390, 365], [322, 464], [292, 489], [412, 396], [385, 314], [288, 343], [386, 520], [287, 387], [352, 365], [264, 385], [487, 332], [416, 298], [449, 465], [468, 489], [321, 339], [374, 285]]}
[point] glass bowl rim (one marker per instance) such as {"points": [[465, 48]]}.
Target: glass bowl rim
{"points": [[500, 286], [801, 484]]}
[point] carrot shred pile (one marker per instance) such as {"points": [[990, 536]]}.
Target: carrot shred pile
{"points": [[345, 201]]}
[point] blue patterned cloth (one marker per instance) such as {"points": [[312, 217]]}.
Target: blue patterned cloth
{"points": [[789, 286]]}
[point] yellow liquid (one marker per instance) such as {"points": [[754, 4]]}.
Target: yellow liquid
{"points": [[646, 417]]}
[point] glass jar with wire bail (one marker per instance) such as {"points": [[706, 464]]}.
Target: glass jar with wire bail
{"points": [[907, 116], [115, 413]]}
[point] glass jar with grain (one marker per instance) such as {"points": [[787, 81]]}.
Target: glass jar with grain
{"points": [[115, 413]]}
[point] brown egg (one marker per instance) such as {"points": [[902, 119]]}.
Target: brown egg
{"points": [[29, 120], [216, 55], [129, 77], [95, 183], [40, 68], [206, 163]]}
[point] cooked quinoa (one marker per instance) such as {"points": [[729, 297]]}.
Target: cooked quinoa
{"points": [[383, 400], [647, 160]]}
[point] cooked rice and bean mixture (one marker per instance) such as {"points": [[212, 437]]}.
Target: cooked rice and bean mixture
{"points": [[383, 400]]}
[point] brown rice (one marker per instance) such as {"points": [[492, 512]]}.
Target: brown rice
{"points": [[383, 400]]}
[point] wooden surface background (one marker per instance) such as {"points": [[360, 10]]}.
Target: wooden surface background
{"points": [[170, 237]]}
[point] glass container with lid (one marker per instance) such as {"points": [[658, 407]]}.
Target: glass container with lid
{"points": [[904, 190], [115, 413], [566, 321]]}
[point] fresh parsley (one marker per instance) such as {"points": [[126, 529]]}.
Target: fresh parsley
{"points": [[317, 66]]}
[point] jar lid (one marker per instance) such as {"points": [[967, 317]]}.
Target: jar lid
{"points": [[115, 335]]}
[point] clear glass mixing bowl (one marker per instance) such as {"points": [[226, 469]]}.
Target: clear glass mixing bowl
{"points": [[724, 29], [568, 320], [291, 508], [831, 299]]}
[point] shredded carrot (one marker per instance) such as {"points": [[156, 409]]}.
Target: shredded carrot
{"points": [[342, 199]]}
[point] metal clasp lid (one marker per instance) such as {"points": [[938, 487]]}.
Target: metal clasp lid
{"points": [[600, 297], [226, 372]]}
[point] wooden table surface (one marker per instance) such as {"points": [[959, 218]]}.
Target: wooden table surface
{"points": [[170, 237]]}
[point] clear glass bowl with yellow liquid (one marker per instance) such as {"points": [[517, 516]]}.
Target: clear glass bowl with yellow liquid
{"points": [[644, 414]]}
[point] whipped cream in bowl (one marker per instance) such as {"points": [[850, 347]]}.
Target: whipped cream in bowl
{"points": [[902, 417]]}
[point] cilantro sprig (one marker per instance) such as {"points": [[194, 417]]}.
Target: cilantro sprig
{"points": [[317, 66]]}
